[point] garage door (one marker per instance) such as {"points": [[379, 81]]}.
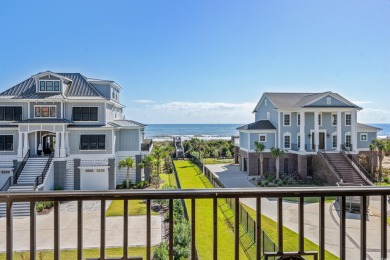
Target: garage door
{"points": [[94, 179]]}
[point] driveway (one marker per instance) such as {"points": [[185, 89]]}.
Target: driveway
{"points": [[91, 230], [231, 177]]}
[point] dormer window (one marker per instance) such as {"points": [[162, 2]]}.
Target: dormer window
{"points": [[49, 85]]}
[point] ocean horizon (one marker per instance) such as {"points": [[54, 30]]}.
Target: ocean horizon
{"points": [[161, 132]]}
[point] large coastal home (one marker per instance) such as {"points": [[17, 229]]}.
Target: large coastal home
{"points": [[318, 132], [66, 131]]}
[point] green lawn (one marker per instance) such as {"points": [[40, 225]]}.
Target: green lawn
{"points": [[87, 253], [290, 238], [388, 220], [190, 177], [310, 199], [216, 161], [168, 179], [382, 184]]}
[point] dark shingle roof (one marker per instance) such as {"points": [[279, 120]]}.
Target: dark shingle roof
{"points": [[259, 125], [45, 121], [79, 87]]}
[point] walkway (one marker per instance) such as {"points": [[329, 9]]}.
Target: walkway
{"points": [[91, 230], [231, 177]]}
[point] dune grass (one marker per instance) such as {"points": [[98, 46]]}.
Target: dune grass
{"points": [[190, 178], [87, 253]]}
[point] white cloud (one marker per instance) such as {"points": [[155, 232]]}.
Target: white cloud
{"points": [[144, 101], [361, 102], [374, 115]]}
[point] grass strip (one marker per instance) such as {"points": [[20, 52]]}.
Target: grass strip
{"points": [[191, 178], [87, 253]]}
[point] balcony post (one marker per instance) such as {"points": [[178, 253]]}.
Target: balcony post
{"points": [[62, 147], [302, 131], [57, 145], [25, 146], [338, 131], [20, 145], [316, 131]]}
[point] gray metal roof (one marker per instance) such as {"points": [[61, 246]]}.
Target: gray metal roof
{"points": [[79, 87], [258, 125], [125, 123], [44, 121], [8, 125], [88, 126], [366, 128], [299, 100]]}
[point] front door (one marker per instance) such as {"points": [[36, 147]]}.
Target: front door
{"points": [[322, 141]]}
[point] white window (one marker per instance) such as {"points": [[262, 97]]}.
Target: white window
{"points": [[319, 119], [45, 111], [286, 119], [287, 141], [299, 141], [364, 137], [334, 140], [328, 101], [268, 116], [89, 170], [49, 86], [298, 119], [334, 119], [263, 138], [265, 102], [348, 119]]}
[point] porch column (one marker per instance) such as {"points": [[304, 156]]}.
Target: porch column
{"points": [[62, 147], [339, 137], [67, 143], [25, 146], [316, 131], [353, 131], [20, 145], [57, 145], [302, 132]]}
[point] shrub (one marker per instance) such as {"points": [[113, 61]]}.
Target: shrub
{"points": [[48, 204], [40, 207], [161, 252], [266, 183], [386, 179]]}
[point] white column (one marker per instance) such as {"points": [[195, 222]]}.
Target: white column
{"points": [[67, 143], [302, 131], [57, 147], [20, 145], [339, 137], [25, 146], [353, 130], [279, 127], [113, 141], [316, 131], [62, 147]]}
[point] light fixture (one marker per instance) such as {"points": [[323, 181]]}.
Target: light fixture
{"points": [[328, 135], [309, 135]]}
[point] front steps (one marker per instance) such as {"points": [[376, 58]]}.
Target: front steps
{"points": [[19, 208], [33, 168]]}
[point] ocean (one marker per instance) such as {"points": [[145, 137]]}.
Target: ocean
{"points": [[162, 132]]}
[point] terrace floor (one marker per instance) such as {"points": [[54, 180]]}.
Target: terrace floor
{"points": [[232, 177]]}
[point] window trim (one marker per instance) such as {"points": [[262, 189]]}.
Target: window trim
{"points": [[364, 134], [49, 91], [331, 116], [13, 143], [298, 119], [345, 118], [328, 101], [299, 141], [13, 113], [334, 135], [49, 106], [284, 141], [345, 139], [289, 119], [82, 121], [265, 138]]}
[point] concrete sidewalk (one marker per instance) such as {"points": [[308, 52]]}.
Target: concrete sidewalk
{"points": [[91, 231], [231, 177]]}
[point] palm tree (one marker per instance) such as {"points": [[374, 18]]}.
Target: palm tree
{"points": [[127, 163], [147, 164], [259, 148], [380, 145], [158, 154], [277, 152], [372, 149]]}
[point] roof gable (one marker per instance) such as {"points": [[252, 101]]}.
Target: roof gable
{"points": [[335, 101]]}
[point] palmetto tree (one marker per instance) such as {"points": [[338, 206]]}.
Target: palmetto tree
{"points": [[372, 149], [380, 145], [147, 164], [277, 152], [158, 154], [259, 148], [127, 163]]}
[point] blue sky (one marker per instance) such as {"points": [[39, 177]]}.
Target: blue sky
{"points": [[205, 61]]}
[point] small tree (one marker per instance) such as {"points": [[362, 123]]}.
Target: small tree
{"points": [[372, 149], [127, 163], [380, 145], [277, 152], [259, 148], [158, 154]]}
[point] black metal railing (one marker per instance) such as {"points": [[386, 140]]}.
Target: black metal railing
{"points": [[295, 147], [356, 162], [146, 145], [7, 184], [310, 147], [41, 178], [345, 147], [10, 198], [326, 157], [21, 167]]}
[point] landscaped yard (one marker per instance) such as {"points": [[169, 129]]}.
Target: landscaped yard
{"points": [[87, 253], [216, 161]]}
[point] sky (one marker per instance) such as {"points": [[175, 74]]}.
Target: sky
{"points": [[205, 61]]}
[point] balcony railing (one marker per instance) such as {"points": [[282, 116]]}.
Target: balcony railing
{"points": [[80, 196]]}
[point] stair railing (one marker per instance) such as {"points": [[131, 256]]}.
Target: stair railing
{"points": [[326, 157], [7, 184], [40, 179], [21, 167], [356, 164]]}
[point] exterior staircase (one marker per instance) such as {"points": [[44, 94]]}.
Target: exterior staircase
{"points": [[347, 172], [26, 182]]}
